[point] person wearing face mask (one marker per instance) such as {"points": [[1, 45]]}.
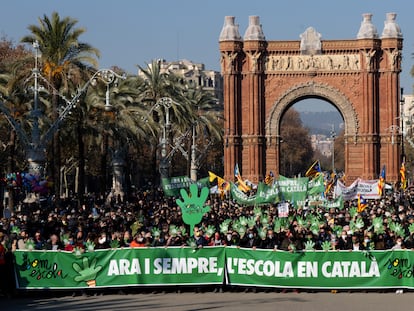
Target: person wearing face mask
{"points": [[199, 238], [399, 244], [232, 239], [249, 240], [138, 241], [270, 241], [102, 241], [367, 241]]}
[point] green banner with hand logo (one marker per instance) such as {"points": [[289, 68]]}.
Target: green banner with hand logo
{"points": [[119, 267], [215, 265]]}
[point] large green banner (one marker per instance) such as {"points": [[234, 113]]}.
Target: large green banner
{"points": [[335, 203], [119, 267], [240, 197], [293, 189], [267, 194], [172, 186], [321, 269], [210, 265], [316, 186]]}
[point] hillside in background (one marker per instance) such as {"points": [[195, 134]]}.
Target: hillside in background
{"points": [[321, 122]]}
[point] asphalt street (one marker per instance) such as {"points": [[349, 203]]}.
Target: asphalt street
{"points": [[229, 301]]}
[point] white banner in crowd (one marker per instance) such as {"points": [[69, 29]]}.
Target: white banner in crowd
{"points": [[283, 209], [368, 189]]}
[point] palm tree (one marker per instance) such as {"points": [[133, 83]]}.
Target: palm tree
{"points": [[157, 85], [61, 52], [15, 104], [207, 119], [122, 126]]}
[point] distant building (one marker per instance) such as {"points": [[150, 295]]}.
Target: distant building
{"points": [[323, 144], [195, 74], [407, 114]]}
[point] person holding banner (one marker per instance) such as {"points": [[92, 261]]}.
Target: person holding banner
{"points": [[399, 244], [216, 240], [344, 241], [356, 243], [269, 242], [199, 237], [287, 242], [138, 241], [249, 240], [232, 239]]}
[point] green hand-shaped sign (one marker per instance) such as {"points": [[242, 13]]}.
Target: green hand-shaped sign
{"points": [[192, 207], [88, 272]]}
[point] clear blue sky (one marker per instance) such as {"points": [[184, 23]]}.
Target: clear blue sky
{"points": [[133, 32]]}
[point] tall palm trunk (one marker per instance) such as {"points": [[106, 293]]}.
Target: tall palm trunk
{"points": [[11, 165], [81, 155], [56, 147], [104, 162]]}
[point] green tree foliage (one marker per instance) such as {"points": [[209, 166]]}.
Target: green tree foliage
{"points": [[339, 149], [296, 153], [13, 67]]}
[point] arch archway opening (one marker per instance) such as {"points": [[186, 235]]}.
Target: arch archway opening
{"points": [[311, 128]]}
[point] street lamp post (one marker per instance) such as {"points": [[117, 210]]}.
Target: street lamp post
{"points": [[35, 151], [283, 153], [169, 148], [333, 135], [402, 125], [164, 167], [193, 163]]}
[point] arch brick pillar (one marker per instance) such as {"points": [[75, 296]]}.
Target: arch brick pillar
{"points": [[253, 106], [231, 60]]}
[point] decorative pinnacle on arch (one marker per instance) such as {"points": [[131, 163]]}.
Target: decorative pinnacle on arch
{"points": [[367, 29], [254, 31], [391, 28], [230, 30]]}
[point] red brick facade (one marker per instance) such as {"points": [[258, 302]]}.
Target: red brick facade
{"points": [[262, 79]]}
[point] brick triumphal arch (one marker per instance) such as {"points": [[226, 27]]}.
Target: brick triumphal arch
{"points": [[360, 77]]}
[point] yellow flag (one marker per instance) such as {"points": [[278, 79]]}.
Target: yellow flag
{"points": [[211, 176], [403, 178]]}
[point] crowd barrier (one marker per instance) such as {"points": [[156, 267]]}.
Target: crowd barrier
{"points": [[161, 266]]}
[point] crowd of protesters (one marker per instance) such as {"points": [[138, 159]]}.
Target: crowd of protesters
{"points": [[146, 218]]}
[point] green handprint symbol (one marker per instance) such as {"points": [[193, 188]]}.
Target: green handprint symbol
{"points": [[192, 207], [88, 272]]}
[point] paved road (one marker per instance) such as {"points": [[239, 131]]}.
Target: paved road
{"points": [[229, 301]]}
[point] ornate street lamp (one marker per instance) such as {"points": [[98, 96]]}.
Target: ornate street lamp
{"points": [[35, 145], [164, 167], [193, 162], [165, 103]]}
